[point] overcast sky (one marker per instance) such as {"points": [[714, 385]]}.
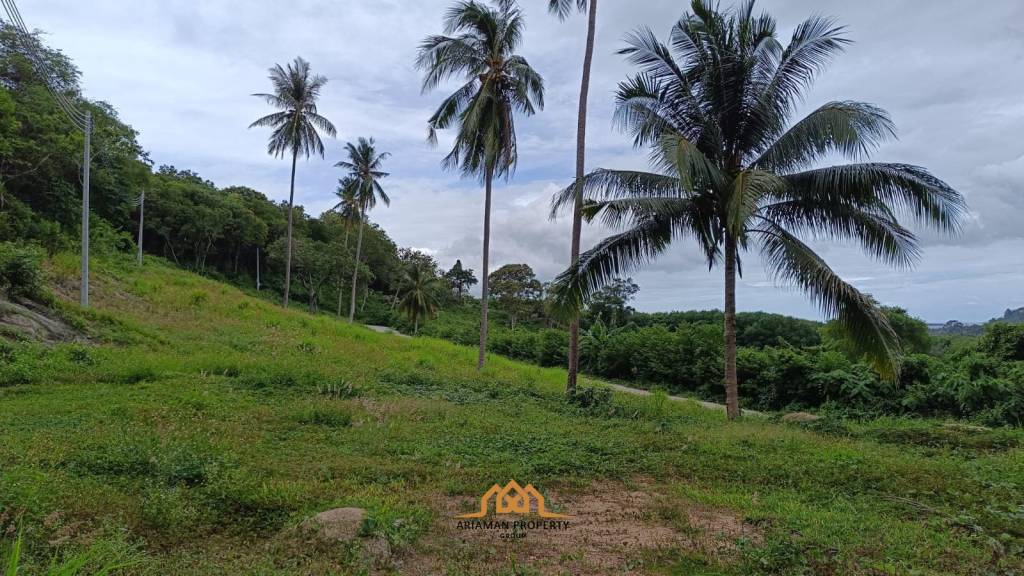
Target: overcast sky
{"points": [[951, 73]]}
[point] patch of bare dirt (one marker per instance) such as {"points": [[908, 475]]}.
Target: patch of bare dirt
{"points": [[612, 529]]}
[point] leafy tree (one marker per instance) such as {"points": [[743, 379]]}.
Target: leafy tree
{"points": [[480, 48], [610, 303], [364, 176], [296, 129], [714, 109], [460, 279], [562, 8], [1005, 341], [516, 289], [410, 257], [314, 263], [419, 295]]}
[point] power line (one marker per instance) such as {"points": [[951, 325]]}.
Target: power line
{"points": [[82, 121], [42, 68]]}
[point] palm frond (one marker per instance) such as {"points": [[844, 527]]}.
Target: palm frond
{"points": [[617, 184], [790, 260], [612, 257], [563, 8], [910, 189], [851, 129]]}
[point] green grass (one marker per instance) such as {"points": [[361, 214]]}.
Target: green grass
{"points": [[203, 424]]}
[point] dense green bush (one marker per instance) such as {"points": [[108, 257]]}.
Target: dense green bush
{"points": [[1005, 341], [20, 273]]}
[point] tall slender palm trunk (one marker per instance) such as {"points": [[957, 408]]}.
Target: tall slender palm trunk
{"points": [[484, 283], [577, 214], [288, 248], [341, 281], [355, 269], [732, 397]]}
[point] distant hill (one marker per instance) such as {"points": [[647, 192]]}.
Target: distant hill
{"points": [[1011, 316], [957, 328]]}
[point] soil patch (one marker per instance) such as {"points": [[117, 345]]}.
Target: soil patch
{"points": [[612, 529]]}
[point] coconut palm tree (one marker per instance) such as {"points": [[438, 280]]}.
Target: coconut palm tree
{"points": [[348, 208], [734, 174], [364, 176], [479, 47], [419, 294], [562, 9], [296, 128]]}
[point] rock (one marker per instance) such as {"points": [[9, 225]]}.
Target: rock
{"points": [[35, 322], [800, 417], [337, 525]]}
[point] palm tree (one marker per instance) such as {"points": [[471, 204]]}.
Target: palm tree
{"points": [[732, 172], [419, 295], [480, 48], [364, 175], [348, 208], [296, 125], [562, 8]]}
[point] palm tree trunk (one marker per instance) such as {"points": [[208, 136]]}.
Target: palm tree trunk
{"points": [[484, 284], [355, 270], [341, 281], [341, 294], [732, 400], [577, 215], [288, 249]]}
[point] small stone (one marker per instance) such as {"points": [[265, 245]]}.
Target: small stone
{"points": [[799, 417], [337, 525]]}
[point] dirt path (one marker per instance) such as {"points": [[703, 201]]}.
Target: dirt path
{"points": [[386, 330], [619, 387], [701, 403]]}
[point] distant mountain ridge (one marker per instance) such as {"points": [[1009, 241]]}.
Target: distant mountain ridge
{"points": [[957, 328]]}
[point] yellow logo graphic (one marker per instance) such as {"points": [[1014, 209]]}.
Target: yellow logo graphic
{"points": [[512, 499]]}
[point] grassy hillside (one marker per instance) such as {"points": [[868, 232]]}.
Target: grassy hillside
{"points": [[199, 425]]}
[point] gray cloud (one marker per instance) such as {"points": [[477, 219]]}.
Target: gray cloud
{"points": [[948, 72]]}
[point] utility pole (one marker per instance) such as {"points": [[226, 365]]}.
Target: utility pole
{"points": [[142, 211], [85, 211], [257, 268]]}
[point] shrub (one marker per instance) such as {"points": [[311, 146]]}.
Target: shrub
{"points": [[552, 348], [596, 401], [20, 273]]}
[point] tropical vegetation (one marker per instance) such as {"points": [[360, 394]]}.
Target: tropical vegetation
{"points": [[296, 129], [480, 47], [735, 174], [363, 189]]}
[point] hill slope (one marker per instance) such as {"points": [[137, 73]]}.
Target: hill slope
{"points": [[202, 425]]}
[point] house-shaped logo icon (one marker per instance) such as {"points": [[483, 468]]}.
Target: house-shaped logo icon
{"points": [[513, 499]]}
